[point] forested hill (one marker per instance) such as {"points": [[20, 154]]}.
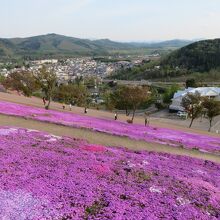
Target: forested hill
{"points": [[59, 46], [55, 46], [201, 56]]}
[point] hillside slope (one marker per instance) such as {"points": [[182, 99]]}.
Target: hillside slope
{"points": [[200, 56], [200, 60], [50, 45]]}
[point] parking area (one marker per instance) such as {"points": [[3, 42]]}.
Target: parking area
{"points": [[172, 118]]}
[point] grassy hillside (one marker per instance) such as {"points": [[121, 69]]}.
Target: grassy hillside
{"points": [[58, 46]]}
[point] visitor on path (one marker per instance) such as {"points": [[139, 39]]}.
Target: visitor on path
{"points": [[116, 116], [146, 119], [64, 106], [145, 122], [70, 106], [44, 100], [85, 111]]}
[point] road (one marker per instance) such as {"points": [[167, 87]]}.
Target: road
{"points": [[154, 83]]}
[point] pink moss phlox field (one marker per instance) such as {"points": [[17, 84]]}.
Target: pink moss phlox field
{"points": [[44, 176], [149, 134]]}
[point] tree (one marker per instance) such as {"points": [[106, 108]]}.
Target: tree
{"points": [[136, 96], [81, 95], [2, 78], [29, 82], [212, 108], [90, 82], [191, 83], [120, 99], [73, 93], [169, 93], [64, 93], [46, 79], [193, 105], [130, 98], [21, 81], [109, 103]]}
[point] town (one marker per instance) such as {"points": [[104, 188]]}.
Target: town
{"points": [[70, 69]]}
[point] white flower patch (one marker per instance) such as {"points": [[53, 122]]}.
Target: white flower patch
{"points": [[203, 151], [22, 205], [52, 138], [31, 130], [200, 172], [143, 164], [131, 164], [182, 201], [209, 214], [155, 189], [7, 131], [162, 157]]}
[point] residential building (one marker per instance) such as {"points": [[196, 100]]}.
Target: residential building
{"points": [[211, 92]]}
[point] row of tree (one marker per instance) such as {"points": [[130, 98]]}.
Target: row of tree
{"points": [[198, 106], [44, 82], [30, 82]]}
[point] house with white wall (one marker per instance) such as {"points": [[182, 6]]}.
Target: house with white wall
{"points": [[211, 92]]}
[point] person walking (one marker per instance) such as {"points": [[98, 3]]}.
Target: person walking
{"points": [[63, 106], [85, 111], [145, 122], [116, 116], [44, 100], [70, 107]]}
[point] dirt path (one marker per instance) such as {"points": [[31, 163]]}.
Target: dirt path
{"points": [[100, 114], [101, 138]]}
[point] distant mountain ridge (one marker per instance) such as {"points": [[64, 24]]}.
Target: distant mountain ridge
{"points": [[59, 46], [176, 43]]}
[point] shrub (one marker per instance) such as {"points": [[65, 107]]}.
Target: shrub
{"points": [[130, 121]]}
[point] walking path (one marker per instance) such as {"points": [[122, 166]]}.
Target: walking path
{"points": [[101, 138], [158, 122]]}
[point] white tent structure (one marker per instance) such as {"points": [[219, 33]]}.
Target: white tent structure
{"points": [[211, 92]]}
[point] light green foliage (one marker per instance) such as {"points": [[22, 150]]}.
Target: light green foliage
{"points": [[46, 79], [212, 109], [168, 95], [130, 98], [23, 82], [73, 93], [193, 105]]}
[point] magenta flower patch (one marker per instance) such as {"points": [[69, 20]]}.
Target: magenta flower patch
{"points": [[149, 134], [44, 176]]}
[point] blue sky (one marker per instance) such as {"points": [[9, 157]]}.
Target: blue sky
{"points": [[120, 20]]}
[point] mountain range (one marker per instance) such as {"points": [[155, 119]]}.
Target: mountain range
{"points": [[59, 46]]}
